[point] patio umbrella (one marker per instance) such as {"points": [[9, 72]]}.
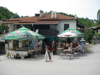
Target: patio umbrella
{"points": [[72, 30], [22, 34], [67, 34]]}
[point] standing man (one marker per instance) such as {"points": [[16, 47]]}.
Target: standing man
{"points": [[53, 47]]}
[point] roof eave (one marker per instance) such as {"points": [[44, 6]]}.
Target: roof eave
{"points": [[45, 23], [22, 24], [8, 23]]}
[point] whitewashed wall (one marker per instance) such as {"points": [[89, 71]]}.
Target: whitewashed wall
{"points": [[60, 26], [11, 27]]}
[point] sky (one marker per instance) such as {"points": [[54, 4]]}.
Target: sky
{"points": [[82, 8]]}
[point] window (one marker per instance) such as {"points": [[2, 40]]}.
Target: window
{"points": [[41, 27], [66, 26]]}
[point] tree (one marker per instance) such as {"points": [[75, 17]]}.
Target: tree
{"points": [[6, 14], [98, 16], [24, 16], [78, 29], [89, 33], [3, 28]]}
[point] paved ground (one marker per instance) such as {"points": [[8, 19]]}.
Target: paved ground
{"points": [[89, 64]]}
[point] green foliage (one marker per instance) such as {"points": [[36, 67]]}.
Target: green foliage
{"points": [[78, 29], [2, 28], [98, 16], [97, 34], [65, 14], [89, 33], [6, 14], [24, 16], [62, 41], [87, 22], [62, 14]]}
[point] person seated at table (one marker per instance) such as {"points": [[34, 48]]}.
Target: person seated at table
{"points": [[78, 48], [65, 46]]}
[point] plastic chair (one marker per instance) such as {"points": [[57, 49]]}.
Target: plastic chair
{"points": [[69, 55], [61, 55], [75, 54]]}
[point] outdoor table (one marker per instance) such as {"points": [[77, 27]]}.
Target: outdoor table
{"points": [[67, 53], [68, 50], [60, 48]]}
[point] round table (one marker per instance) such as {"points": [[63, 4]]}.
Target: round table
{"points": [[68, 50]]}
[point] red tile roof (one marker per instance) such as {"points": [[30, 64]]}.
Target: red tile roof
{"points": [[46, 22], [97, 26], [11, 21], [46, 19], [40, 22], [23, 23], [94, 27], [59, 17]]}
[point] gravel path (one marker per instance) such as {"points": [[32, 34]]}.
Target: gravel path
{"points": [[88, 64]]}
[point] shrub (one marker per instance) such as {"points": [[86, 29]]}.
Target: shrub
{"points": [[89, 33]]}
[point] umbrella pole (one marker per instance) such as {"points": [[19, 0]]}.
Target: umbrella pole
{"points": [[28, 44], [65, 40], [24, 44], [37, 47]]}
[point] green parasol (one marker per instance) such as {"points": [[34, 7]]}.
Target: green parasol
{"points": [[72, 30], [22, 34]]}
